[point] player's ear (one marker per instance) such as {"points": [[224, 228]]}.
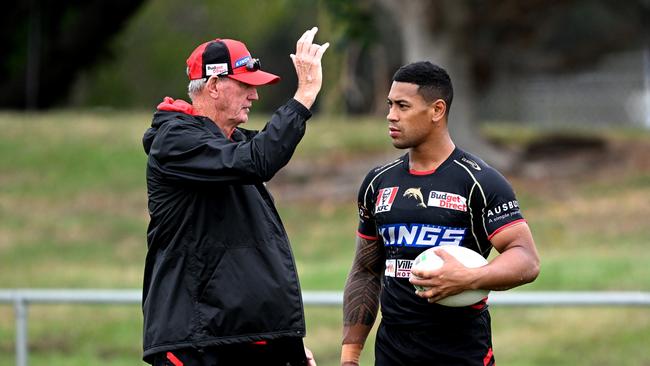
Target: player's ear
{"points": [[438, 110]]}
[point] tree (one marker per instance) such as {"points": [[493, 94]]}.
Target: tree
{"points": [[48, 43]]}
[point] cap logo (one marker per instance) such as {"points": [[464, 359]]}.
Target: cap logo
{"points": [[242, 61], [216, 69]]}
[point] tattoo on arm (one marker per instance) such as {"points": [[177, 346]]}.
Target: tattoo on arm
{"points": [[361, 296]]}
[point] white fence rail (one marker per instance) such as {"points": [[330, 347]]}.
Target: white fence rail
{"points": [[22, 298]]}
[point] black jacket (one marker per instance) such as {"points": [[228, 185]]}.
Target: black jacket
{"points": [[219, 268]]}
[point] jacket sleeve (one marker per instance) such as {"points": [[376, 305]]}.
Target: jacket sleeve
{"points": [[189, 152]]}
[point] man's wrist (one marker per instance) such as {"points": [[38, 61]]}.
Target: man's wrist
{"points": [[305, 99], [299, 108], [350, 353]]}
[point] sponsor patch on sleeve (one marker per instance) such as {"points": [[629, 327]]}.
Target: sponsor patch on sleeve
{"points": [[503, 212]]}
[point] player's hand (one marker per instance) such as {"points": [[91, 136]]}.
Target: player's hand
{"points": [[310, 357], [450, 279], [307, 62]]}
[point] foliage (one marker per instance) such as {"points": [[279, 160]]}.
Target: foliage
{"points": [[153, 52], [47, 44]]}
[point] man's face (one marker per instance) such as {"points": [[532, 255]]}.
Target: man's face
{"points": [[409, 116], [235, 100]]}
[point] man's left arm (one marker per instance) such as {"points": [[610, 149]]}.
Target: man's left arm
{"points": [[517, 264]]}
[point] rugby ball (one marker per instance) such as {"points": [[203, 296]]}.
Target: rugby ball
{"points": [[428, 260]]}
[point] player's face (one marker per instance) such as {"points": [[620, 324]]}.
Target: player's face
{"points": [[235, 100], [409, 116]]}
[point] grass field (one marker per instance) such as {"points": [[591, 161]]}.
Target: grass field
{"points": [[73, 215]]}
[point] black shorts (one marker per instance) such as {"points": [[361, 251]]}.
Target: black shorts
{"points": [[278, 352], [466, 343]]}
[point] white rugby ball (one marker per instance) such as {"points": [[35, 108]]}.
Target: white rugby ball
{"points": [[428, 260]]}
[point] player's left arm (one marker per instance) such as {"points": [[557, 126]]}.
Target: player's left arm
{"points": [[517, 264]]}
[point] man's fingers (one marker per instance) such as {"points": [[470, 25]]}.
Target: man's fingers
{"points": [[313, 49], [316, 51], [310, 34], [305, 41], [321, 50], [301, 42]]}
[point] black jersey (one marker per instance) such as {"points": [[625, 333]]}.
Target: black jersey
{"points": [[463, 202]]}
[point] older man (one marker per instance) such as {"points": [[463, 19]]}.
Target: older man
{"points": [[220, 281]]}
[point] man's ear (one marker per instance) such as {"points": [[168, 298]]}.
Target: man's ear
{"points": [[438, 109], [213, 86]]}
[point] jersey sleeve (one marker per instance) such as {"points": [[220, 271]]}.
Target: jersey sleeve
{"points": [[501, 205], [367, 226]]}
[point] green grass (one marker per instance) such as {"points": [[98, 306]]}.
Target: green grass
{"points": [[73, 215]]}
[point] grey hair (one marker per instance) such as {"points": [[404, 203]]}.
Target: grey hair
{"points": [[195, 87]]}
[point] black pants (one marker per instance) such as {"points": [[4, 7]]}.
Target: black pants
{"points": [[278, 352], [466, 343]]}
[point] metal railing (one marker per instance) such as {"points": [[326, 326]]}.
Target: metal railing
{"points": [[22, 298]]}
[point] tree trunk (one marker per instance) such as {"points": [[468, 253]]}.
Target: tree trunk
{"points": [[420, 43]]}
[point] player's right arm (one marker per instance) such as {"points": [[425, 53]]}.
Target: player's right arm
{"points": [[361, 294], [361, 298]]}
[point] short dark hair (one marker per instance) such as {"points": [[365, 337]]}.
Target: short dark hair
{"points": [[432, 80]]}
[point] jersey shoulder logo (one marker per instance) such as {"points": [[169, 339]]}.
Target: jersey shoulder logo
{"points": [[471, 163], [447, 200], [415, 193], [385, 199]]}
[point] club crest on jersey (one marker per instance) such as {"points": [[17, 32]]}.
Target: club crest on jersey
{"points": [[385, 199], [447, 200], [416, 194], [420, 235]]}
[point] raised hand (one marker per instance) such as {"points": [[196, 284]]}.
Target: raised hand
{"points": [[307, 62]]}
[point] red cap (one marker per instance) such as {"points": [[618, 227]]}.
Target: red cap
{"points": [[229, 58]]}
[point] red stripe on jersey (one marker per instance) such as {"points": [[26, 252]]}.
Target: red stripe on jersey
{"points": [[488, 357], [505, 227], [481, 304], [174, 359], [367, 237], [421, 172]]}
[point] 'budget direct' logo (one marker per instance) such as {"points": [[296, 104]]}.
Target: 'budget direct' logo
{"points": [[385, 199], [216, 69], [447, 200]]}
